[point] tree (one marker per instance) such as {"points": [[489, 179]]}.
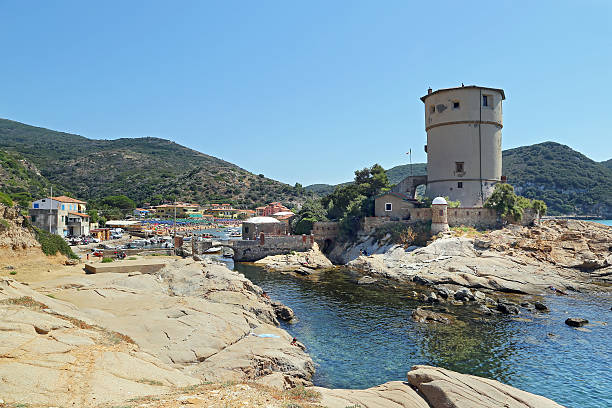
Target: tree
{"points": [[539, 207], [505, 202], [311, 212]]}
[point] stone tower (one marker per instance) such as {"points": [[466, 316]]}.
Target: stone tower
{"points": [[439, 215], [464, 156]]}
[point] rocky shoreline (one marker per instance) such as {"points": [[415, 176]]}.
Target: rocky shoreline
{"points": [[90, 340]]}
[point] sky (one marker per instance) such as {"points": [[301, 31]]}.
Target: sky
{"points": [[307, 91]]}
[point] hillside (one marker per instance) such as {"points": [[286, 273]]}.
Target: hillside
{"points": [[568, 181], [20, 179], [144, 169]]}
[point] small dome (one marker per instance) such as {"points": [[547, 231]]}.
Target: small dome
{"points": [[262, 220], [439, 200]]}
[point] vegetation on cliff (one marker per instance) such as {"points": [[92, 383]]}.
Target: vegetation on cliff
{"points": [[144, 169], [20, 181]]}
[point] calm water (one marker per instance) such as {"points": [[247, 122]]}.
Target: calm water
{"points": [[360, 336], [606, 222]]}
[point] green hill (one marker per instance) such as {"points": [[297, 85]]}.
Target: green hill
{"points": [[144, 169], [568, 181], [20, 179]]}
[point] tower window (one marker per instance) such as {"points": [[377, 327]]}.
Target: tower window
{"points": [[459, 167], [455, 104], [432, 109], [487, 100], [441, 213], [460, 184], [388, 206]]}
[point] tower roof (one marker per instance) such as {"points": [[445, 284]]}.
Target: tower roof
{"points": [[501, 91]]}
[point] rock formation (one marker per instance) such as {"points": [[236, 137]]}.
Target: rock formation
{"points": [[562, 254]]}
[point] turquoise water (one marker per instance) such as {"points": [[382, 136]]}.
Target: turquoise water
{"points": [[360, 336], [605, 222]]}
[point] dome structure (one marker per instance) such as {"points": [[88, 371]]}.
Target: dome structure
{"points": [[439, 200]]}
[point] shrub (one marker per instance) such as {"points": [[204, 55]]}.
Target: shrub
{"points": [[6, 199], [4, 224], [107, 260], [51, 244], [13, 272], [405, 235]]}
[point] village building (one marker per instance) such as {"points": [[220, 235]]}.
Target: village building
{"points": [[464, 155], [60, 215], [270, 209], [222, 211], [268, 226], [181, 210], [143, 212], [394, 205]]}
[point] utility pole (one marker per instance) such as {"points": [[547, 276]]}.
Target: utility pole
{"points": [[410, 158], [175, 222]]}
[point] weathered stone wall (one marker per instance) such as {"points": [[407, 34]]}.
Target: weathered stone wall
{"points": [[472, 217], [400, 208], [250, 251], [254, 250], [323, 230]]}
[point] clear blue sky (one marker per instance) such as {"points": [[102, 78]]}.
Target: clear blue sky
{"points": [[305, 91]]}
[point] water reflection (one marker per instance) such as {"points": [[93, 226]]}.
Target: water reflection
{"points": [[361, 335]]}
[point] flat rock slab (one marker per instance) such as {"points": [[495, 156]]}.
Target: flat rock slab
{"points": [[139, 265], [394, 394], [448, 389]]}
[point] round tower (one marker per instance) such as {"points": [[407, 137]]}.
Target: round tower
{"points": [[439, 215], [464, 156]]}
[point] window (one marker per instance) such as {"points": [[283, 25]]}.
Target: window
{"points": [[33, 218], [487, 100], [35, 205], [388, 206], [460, 184], [432, 109], [441, 213], [459, 167], [63, 207], [455, 104]]}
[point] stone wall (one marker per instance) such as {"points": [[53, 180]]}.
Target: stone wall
{"points": [[325, 230], [250, 251], [472, 217], [254, 250]]}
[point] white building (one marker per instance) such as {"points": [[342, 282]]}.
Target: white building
{"points": [[60, 215]]}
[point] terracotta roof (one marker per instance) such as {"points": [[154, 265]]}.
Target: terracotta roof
{"points": [[465, 87], [65, 199], [79, 214]]}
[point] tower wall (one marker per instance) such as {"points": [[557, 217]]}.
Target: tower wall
{"points": [[464, 157]]}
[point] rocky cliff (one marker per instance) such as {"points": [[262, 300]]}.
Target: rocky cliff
{"points": [[13, 236]]}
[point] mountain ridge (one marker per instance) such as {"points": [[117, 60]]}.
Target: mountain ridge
{"points": [[142, 168]]}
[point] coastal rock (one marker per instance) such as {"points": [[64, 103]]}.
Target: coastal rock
{"points": [[432, 298], [209, 322], [464, 294], [394, 394], [426, 316], [312, 259], [540, 306], [445, 293], [576, 322], [448, 389], [366, 280], [513, 260], [508, 308], [283, 312]]}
